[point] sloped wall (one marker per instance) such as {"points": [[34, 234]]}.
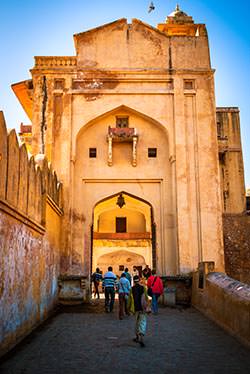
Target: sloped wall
{"points": [[30, 220]]}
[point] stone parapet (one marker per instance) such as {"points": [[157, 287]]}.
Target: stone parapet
{"points": [[54, 61], [226, 301]]}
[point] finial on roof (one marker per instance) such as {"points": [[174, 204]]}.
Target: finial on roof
{"points": [[178, 16]]}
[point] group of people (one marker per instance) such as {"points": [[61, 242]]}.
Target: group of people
{"points": [[133, 294]]}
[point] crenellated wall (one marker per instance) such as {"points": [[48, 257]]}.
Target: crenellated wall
{"points": [[30, 221]]}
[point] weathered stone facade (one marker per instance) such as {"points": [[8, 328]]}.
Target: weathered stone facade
{"points": [[30, 215], [161, 80], [231, 161], [237, 246]]}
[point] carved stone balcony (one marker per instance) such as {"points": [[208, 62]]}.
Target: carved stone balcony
{"points": [[125, 134], [122, 134]]}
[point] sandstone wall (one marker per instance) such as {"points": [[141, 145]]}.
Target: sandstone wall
{"points": [[29, 240], [225, 301], [237, 246]]}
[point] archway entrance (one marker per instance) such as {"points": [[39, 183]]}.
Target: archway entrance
{"points": [[123, 233]]}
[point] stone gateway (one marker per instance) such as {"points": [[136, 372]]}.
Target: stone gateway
{"points": [[130, 126]]}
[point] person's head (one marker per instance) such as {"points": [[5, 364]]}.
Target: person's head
{"points": [[134, 268], [110, 268], [123, 275], [146, 266], [97, 270], [136, 279], [126, 270], [153, 271]]}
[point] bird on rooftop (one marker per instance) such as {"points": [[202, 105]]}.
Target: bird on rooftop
{"points": [[151, 7]]}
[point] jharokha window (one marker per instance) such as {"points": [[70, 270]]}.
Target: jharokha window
{"points": [[121, 122], [121, 224]]}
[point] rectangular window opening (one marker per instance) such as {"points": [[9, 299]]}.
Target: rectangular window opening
{"points": [[59, 84], [188, 84], [121, 122], [92, 152], [121, 224], [152, 152]]}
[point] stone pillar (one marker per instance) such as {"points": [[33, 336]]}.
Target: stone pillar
{"points": [[134, 161], [110, 155]]}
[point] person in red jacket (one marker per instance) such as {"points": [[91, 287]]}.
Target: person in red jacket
{"points": [[156, 284]]}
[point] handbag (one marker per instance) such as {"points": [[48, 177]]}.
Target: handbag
{"points": [[150, 289]]}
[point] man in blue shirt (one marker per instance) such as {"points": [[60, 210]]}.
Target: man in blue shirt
{"points": [[109, 284], [123, 290]]}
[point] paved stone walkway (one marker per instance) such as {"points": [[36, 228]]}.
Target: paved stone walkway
{"points": [[85, 341]]}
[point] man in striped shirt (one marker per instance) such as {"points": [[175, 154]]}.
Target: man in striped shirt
{"points": [[109, 284]]}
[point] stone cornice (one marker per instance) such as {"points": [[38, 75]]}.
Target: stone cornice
{"points": [[13, 212], [75, 69]]}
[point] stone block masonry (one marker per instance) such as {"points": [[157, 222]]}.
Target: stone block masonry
{"points": [[236, 228]]}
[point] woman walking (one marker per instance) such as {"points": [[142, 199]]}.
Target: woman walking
{"points": [[155, 283]]}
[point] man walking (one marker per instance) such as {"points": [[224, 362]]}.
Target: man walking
{"points": [[109, 284], [128, 276], [123, 290], [96, 278], [137, 304]]}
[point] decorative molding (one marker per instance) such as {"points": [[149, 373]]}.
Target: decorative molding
{"points": [[13, 212], [55, 61]]}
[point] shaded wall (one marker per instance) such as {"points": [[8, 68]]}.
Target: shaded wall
{"points": [[29, 239], [226, 301], [236, 229]]}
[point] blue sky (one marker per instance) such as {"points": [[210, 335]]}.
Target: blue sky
{"points": [[46, 28]]}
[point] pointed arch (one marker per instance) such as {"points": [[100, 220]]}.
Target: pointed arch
{"points": [[117, 110]]}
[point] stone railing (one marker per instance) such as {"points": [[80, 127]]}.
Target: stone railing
{"points": [[54, 61], [226, 301]]}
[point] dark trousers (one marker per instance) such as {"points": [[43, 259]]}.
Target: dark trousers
{"points": [[96, 287], [109, 298], [122, 305]]}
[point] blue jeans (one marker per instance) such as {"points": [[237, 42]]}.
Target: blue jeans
{"points": [[109, 298], [155, 297]]}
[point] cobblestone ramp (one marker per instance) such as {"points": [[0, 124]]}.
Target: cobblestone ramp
{"points": [[86, 340]]}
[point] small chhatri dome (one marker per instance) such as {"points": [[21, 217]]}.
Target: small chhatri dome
{"points": [[179, 17], [177, 12]]}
